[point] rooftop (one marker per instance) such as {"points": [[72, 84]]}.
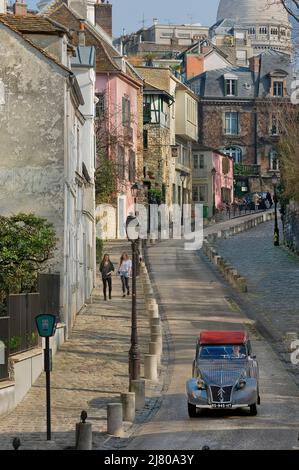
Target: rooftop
{"points": [[33, 24]]}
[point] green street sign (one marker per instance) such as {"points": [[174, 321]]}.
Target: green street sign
{"points": [[46, 325]]}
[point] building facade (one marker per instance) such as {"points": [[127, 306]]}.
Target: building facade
{"points": [[118, 91], [213, 180], [162, 41], [238, 115], [266, 23], [45, 168]]}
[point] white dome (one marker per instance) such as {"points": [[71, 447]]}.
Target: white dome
{"points": [[252, 11]]}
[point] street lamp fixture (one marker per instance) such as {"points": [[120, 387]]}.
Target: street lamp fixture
{"points": [[132, 230], [276, 228]]}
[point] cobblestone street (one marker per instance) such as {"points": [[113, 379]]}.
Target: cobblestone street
{"points": [[89, 371], [273, 279]]}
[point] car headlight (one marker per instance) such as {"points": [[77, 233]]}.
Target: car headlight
{"points": [[201, 384], [241, 384]]}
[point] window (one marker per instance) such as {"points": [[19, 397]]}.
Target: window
{"points": [[121, 162], [200, 193], [263, 30], [273, 163], [278, 89], [235, 153], [100, 105], [251, 30], [231, 123], [274, 31], [126, 111], [274, 125], [283, 32], [231, 87], [132, 167]]}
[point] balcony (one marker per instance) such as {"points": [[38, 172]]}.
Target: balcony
{"points": [[246, 170]]}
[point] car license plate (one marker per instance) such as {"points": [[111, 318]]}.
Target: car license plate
{"points": [[221, 405]]}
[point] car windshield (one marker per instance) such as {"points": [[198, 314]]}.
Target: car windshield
{"points": [[227, 351]]}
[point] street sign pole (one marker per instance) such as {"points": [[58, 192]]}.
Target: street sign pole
{"points": [[48, 386], [46, 326]]}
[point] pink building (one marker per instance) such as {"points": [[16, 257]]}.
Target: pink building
{"points": [[117, 112], [212, 179], [223, 179]]}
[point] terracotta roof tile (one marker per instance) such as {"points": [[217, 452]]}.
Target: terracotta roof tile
{"points": [[33, 24]]}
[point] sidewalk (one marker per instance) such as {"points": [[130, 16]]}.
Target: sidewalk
{"points": [[214, 228], [89, 371]]}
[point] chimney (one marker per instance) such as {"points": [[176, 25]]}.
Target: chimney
{"points": [[103, 16], [20, 8], [81, 34], [254, 64]]}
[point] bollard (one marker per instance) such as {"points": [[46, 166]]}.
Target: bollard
{"points": [[115, 419], [138, 387], [153, 310], [83, 433], [155, 322], [156, 330], [155, 348], [157, 339], [151, 367], [128, 403]]}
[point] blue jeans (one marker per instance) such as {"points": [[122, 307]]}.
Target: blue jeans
{"points": [[125, 284]]}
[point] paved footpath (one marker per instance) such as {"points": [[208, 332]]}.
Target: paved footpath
{"points": [[89, 371], [273, 282]]}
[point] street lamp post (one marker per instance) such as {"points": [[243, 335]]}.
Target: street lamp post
{"points": [[134, 193], [183, 177], [132, 229], [276, 228], [213, 189]]}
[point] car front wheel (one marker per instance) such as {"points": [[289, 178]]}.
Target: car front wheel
{"points": [[253, 409], [192, 410]]}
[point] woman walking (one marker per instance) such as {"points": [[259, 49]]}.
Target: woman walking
{"points": [[124, 270], [106, 269]]}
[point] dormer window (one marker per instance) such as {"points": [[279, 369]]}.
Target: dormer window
{"points": [[278, 89], [230, 85]]}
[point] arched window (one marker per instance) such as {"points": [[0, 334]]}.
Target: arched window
{"points": [[273, 160], [235, 153]]}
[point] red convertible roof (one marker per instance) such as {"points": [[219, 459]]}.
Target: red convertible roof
{"points": [[222, 337]]}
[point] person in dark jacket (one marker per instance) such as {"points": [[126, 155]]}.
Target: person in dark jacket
{"points": [[106, 269]]}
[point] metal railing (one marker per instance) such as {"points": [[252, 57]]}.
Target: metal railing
{"points": [[246, 170], [4, 347], [22, 309]]}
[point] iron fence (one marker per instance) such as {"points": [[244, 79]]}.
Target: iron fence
{"points": [[4, 347], [22, 309]]}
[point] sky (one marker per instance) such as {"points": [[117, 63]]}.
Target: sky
{"points": [[129, 14]]}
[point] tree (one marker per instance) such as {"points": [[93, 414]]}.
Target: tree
{"points": [[26, 243]]}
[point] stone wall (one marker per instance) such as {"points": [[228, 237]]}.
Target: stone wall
{"points": [[291, 227]]}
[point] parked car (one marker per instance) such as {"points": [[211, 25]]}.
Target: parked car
{"points": [[225, 373]]}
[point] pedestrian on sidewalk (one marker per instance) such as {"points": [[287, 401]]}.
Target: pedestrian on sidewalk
{"points": [[106, 269], [125, 270]]}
